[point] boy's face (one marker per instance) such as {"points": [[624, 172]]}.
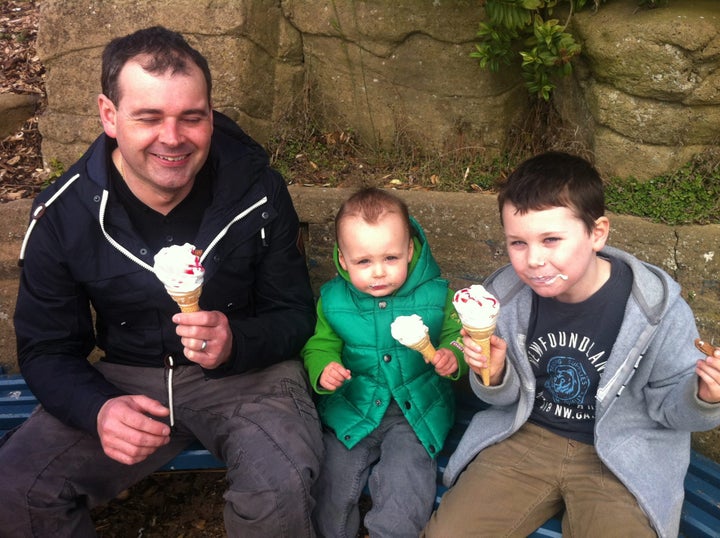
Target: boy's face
{"points": [[376, 256], [553, 253]]}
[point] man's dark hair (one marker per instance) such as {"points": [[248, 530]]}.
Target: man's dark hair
{"points": [[555, 179], [157, 49]]}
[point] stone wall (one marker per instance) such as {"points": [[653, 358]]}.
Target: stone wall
{"points": [[644, 98], [646, 92]]}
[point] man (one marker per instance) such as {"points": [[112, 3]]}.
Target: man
{"points": [[168, 170]]}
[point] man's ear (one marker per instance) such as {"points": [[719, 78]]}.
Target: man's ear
{"points": [[108, 115]]}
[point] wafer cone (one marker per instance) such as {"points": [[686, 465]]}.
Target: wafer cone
{"points": [[425, 347], [481, 336], [188, 301]]}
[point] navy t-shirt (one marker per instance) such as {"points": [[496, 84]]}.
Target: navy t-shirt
{"points": [[568, 345]]}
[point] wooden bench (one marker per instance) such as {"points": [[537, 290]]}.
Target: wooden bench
{"points": [[701, 509]]}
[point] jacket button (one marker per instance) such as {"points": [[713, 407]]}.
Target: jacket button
{"points": [[347, 437], [265, 215], [378, 403], [408, 405], [143, 251], [387, 358], [382, 304], [432, 448]]}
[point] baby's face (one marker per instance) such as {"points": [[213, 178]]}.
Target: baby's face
{"points": [[552, 251], [376, 256]]}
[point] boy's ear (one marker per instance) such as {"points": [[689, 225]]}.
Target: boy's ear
{"points": [[600, 233], [411, 250]]}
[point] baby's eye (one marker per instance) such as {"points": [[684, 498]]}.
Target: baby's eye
{"points": [[392, 258]]}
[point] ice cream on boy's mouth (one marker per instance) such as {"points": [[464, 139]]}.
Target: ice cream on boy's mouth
{"points": [[410, 331], [179, 269], [478, 310]]}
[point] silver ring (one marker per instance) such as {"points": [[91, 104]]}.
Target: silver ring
{"points": [[203, 346]]}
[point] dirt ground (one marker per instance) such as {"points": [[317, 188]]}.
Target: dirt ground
{"points": [[166, 505]]}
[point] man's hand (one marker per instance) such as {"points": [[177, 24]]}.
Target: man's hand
{"points": [[127, 434], [206, 336], [333, 376]]}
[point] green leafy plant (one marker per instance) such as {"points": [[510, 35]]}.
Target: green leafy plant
{"points": [[689, 196], [524, 29], [56, 168]]}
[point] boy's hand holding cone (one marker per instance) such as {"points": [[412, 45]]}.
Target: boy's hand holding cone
{"points": [[478, 310]]}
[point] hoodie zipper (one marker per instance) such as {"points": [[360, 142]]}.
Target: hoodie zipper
{"points": [[39, 212]]}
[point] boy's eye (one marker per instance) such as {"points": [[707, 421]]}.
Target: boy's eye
{"points": [[391, 258]]}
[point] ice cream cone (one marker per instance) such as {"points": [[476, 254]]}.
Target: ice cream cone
{"points": [[188, 301], [481, 336], [425, 347]]}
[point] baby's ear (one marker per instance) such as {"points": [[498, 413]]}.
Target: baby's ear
{"points": [[341, 259]]}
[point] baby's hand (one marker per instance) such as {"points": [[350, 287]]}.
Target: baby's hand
{"points": [[333, 376], [444, 362], [708, 370]]}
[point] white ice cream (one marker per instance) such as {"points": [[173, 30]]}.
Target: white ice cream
{"points": [[476, 306], [178, 267], [408, 330]]}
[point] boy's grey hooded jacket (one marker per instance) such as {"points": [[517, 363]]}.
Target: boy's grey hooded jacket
{"points": [[646, 404]]}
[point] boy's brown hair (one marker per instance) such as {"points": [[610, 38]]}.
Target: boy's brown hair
{"points": [[555, 179], [370, 204]]}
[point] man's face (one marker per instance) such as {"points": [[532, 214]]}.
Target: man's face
{"points": [[376, 256], [552, 251], [163, 125]]}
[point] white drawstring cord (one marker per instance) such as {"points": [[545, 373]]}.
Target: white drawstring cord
{"points": [[170, 365]]}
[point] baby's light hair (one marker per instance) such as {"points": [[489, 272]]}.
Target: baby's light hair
{"points": [[370, 204]]}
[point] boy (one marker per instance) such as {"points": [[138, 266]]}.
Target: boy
{"points": [[595, 383], [383, 407]]}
